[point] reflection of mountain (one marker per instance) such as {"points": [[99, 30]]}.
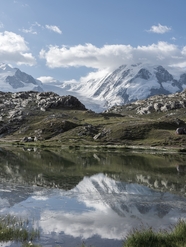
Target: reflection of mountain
{"points": [[99, 208], [13, 194], [66, 168], [125, 198], [37, 167]]}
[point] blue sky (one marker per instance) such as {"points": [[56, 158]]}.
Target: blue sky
{"points": [[67, 39]]}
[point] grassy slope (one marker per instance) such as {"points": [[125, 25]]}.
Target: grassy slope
{"points": [[60, 126]]}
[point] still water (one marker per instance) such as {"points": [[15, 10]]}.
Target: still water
{"points": [[91, 197]]}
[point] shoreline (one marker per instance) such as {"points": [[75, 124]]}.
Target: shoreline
{"points": [[50, 144]]}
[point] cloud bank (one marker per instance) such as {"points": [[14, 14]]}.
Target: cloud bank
{"points": [[13, 49], [112, 56]]}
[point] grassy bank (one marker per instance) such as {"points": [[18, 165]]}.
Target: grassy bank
{"points": [[16, 230], [143, 238]]}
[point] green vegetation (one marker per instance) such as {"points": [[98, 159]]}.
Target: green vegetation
{"points": [[78, 128], [14, 229], [146, 237]]}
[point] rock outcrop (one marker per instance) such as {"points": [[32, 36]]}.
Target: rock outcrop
{"points": [[157, 103], [15, 107]]}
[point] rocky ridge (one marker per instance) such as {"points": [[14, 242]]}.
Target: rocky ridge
{"points": [[156, 103], [16, 107]]}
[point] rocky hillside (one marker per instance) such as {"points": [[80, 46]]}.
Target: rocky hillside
{"points": [[18, 108], [49, 119], [157, 103]]}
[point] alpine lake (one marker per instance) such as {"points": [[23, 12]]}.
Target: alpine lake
{"points": [[91, 197]]}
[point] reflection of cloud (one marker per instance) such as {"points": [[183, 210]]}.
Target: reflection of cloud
{"points": [[103, 207], [110, 209], [4, 202], [106, 224], [9, 243]]}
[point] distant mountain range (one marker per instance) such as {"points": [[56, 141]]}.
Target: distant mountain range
{"points": [[126, 84], [129, 83], [14, 80]]}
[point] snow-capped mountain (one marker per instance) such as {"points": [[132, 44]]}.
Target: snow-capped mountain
{"points": [[102, 89], [14, 80], [130, 83]]}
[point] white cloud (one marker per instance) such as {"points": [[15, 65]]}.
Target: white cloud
{"points": [[54, 29], [173, 38], [31, 29], [87, 55], [159, 29], [34, 26], [184, 50], [112, 56], [13, 49], [46, 79]]}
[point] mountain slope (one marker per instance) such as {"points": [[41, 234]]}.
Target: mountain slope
{"points": [[129, 83]]}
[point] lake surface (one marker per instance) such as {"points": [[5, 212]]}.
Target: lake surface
{"points": [[91, 197]]}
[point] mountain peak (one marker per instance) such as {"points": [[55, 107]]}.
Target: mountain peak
{"points": [[13, 80], [163, 75], [5, 67]]}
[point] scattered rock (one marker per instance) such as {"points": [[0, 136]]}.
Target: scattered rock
{"points": [[88, 130], [102, 134], [97, 136], [181, 131], [29, 139]]}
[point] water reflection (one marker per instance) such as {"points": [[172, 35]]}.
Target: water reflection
{"points": [[64, 169], [98, 208], [91, 196]]}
